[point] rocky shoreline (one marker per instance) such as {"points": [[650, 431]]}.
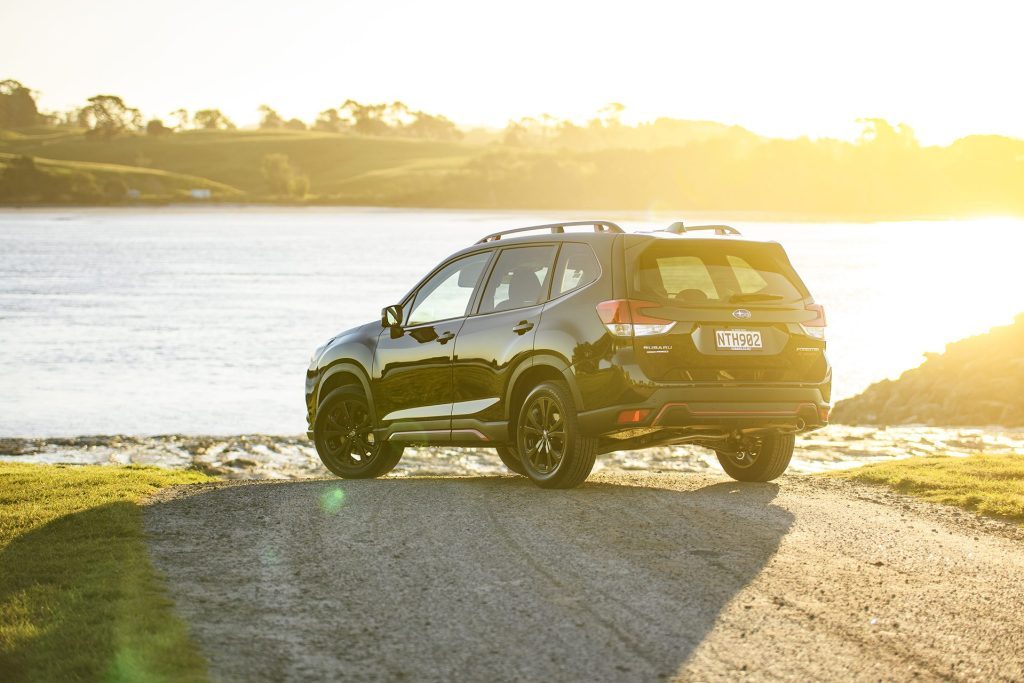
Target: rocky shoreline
{"points": [[259, 456], [976, 381]]}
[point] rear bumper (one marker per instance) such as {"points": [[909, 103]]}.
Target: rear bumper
{"points": [[718, 408]]}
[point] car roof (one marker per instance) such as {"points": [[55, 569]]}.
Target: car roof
{"points": [[606, 237], [594, 238]]}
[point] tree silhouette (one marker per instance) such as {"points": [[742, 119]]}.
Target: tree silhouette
{"points": [[181, 117], [329, 120], [212, 119], [269, 119], [367, 119], [282, 178], [107, 116], [17, 105], [156, 128], [431, 127]]}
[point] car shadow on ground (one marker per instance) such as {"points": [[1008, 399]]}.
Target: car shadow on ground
{"points": [[465, 578]]}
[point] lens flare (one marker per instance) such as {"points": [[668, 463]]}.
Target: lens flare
{"points": [[332, 500]]}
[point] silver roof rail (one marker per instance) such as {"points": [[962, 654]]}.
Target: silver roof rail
{"points": [[678, 228], [555, 228]]}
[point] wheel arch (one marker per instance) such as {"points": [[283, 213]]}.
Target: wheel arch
{"points": [[345, 373], [528, 375]]}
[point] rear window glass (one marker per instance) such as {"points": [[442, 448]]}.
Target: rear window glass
{"points": [[747, 277], [717, 273]]}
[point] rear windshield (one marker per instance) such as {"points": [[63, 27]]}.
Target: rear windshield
{"points": [[721, 272]]}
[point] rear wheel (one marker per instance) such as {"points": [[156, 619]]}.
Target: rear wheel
{"points": [[510, 456], [761, 459], [555, 454], [343, 436]]}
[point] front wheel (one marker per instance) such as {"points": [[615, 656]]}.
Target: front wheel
{"points": [[762, 459], [343, 436], [555, 454]]}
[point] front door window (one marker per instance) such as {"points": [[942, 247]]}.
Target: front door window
{"points": [[447, 294]]}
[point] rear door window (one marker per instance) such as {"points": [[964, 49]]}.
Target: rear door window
{"points": [[519, 278]]}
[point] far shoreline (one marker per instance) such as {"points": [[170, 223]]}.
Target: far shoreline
{"points": [[698, 215]]}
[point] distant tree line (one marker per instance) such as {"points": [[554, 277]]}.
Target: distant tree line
{"points": [[106, 116], [886, 172], [543, 162], [386, 119]]}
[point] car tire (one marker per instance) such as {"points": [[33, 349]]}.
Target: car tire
{"points": [[343, 437], [510, 456], [555, 455], [767, 460]]}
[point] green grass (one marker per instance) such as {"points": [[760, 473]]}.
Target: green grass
{"points": [[79, 599], [989, 484]]}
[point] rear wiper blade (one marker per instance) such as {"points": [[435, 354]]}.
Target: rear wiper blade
{"points": [[737, 298]]}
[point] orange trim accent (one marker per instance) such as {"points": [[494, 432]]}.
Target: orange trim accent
{"points": [[633, 416]]}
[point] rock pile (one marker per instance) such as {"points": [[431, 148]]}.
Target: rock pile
{"points": [[976, 381]]}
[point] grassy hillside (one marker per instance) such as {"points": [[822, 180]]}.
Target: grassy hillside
{"points": [[885, 175], [342, 166], [149, 182]]}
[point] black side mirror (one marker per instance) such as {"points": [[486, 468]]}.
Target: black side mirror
{"points": [[391, 316]]}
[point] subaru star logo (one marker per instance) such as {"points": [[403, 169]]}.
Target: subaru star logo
{"points": [[741, 314]]}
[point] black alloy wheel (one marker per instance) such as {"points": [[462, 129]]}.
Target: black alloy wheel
{"points": [[544, 431], [555, 454], [762, 458], [344, 437]]}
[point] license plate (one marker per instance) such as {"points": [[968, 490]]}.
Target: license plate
{"points": [[738, 340]]}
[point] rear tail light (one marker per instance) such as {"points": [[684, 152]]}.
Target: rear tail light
{"points": [[815, 328], [625, 318]]}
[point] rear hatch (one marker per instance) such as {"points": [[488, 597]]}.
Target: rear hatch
{"points": [[721, 310]]}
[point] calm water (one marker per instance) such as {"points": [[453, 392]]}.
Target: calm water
{"points": [[202, 321]]}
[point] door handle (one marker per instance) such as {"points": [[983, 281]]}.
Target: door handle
{"points": [[523, 327], [446, 337]]}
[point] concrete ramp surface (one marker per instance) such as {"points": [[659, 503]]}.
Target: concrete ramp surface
{"points": [[630, 577]]}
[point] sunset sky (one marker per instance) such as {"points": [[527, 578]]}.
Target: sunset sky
{"points": [[778, 68]]}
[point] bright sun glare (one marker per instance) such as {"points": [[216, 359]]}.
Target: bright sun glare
{"points": [[783, 69]]}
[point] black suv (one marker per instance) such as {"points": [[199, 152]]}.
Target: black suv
{"points": [[554, 348]]}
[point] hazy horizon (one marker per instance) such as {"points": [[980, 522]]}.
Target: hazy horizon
{"points": [[786, 70]]}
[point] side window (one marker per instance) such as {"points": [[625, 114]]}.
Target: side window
{"points": [[448, 293], [577, 267], [518, 278]]}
